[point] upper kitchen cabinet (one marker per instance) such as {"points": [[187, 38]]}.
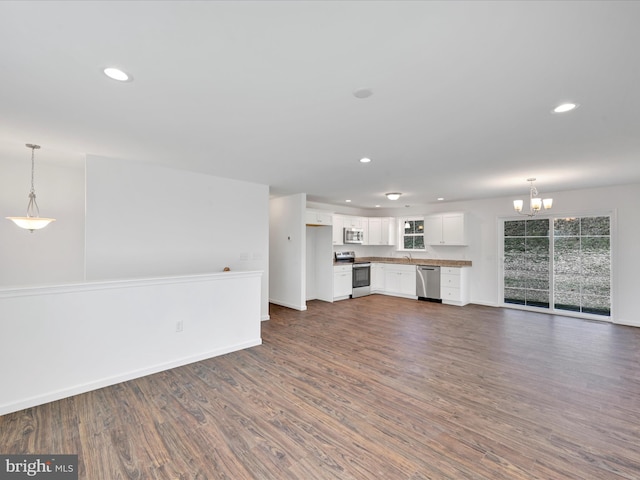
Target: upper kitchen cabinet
{"points": [[338, 230], [377, 230], [354, 222], [318, 217], [381, 231], [446, 229]]}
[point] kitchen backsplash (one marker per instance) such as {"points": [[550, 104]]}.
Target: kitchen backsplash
{"points": [[449, 253]]}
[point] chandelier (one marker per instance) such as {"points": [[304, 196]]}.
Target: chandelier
{"points": [[535, 203], [33, 220]]}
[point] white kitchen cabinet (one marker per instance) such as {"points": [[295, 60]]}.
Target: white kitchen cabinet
{"points": [[454, 285], [318, 217], [377, 277], [338, 230], [375, 231], [391, 232], [348, 221], [400, 280], [364, 222], [353, 222], [381, 231], [342, 281], [445, 229]]}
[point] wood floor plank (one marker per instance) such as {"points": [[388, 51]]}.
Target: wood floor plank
{"points": [[368, 388]]}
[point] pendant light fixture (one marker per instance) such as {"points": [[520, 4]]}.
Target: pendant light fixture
{"points": [[33, 220], [535, 203]]}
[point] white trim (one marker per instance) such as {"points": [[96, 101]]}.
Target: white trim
{"points": [[125, 283], [627, 323], [112, 380], [300, 308]]}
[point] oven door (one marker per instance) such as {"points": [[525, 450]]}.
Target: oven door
{"points": [[361, 279]]}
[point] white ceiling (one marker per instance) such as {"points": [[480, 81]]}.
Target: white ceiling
{"points": [[263, 92]]}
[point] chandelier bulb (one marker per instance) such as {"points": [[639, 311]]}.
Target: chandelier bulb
{"points": [[536, 204]]}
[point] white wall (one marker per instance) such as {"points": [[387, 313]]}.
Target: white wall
{"points": [[54, 254], [484, 218], [145, 220], [319, 256], [310, 265], [141, 220], [287, 240], [125, 220], [61, 341]]}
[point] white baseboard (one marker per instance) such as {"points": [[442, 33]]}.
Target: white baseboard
{"points": [[302, 308], [105, 382], [627, 323]]}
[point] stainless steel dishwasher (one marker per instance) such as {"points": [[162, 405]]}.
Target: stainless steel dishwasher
{"points": [[428, 283]]}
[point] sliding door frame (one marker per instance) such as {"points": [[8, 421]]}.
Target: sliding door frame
{"points": [[551, 309]]}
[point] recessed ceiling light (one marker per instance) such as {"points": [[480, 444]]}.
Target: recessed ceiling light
{"points": [[393, 195], [377, 206], [362, 92], [117, 74], [565, 107], [348, 201], [365, 160], [440, 199]]}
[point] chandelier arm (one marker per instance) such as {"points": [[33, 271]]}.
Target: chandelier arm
{"points": [[535, 203], [32, 207]]}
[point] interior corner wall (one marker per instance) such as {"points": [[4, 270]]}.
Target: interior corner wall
{"points": [[144, 220], [287, 252], [55, 254]]}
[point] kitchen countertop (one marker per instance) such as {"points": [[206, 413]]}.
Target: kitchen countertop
{"points": [[438, 262]]}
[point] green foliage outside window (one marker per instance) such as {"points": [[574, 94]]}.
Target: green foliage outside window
{"points": [[571, 254], [412, 234]]}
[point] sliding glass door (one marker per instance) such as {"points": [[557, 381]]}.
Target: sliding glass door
{"points": [[582, 265], [560, 264], [527, 262]]}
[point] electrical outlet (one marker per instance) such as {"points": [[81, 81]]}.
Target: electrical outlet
{"points": [[179, 326]]}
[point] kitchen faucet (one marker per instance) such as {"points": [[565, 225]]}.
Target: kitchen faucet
{"points": [[408, 257]]}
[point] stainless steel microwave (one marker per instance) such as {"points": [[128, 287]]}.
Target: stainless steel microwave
{"points": [[353, 235]]}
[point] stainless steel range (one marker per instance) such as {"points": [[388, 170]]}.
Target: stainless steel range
{"points": [[361, 276]]}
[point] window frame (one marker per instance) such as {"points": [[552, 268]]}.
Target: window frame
{"points": [[401, 233]]}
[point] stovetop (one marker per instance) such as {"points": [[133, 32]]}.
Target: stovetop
{"points": [[345, 257]]}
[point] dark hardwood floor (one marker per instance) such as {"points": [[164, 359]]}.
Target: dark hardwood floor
{"points": [[371, 388]]}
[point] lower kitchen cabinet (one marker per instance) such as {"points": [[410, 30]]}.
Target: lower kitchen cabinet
{"points": [[377, 277], [342, 282], [400, 280], [454, 286]]}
